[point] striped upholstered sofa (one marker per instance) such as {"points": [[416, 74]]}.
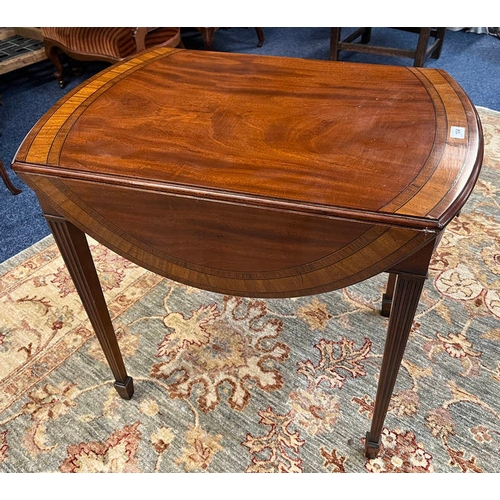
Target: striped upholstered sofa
{"points": [[103, 44]]}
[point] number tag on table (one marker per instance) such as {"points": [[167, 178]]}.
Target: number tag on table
{"points": [[457, 132]]}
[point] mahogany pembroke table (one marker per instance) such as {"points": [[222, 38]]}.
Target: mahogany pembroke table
{"points": [[259, 177]]}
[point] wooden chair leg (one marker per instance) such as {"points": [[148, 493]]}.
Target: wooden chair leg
{"points": [[208, 37], [77, 67], [6, 179], [260, 34], [440, 32], [366, 36], [334, 44], [53, 53], [423, 42]]}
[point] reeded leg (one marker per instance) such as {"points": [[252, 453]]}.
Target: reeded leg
{"points": [[387, 296], [73, 246], [406, 296]]}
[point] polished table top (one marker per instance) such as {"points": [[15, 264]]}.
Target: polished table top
{"points": [[290, 137], [334, 136], [257, 176]]}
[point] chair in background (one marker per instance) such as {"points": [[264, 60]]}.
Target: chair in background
{"points": [[104, 44], [208, 36], [419, 54], [7, 181]]}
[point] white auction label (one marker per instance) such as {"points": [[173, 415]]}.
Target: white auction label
{"points": [[457, 132]]}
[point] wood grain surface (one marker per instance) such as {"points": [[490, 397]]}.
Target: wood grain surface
{"points": [[254, 175], [365, 137]]}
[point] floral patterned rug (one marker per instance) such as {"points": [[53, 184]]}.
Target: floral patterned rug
{"points": [[225, 384]]}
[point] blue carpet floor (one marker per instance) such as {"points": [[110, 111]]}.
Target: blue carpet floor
{"points": [[473, 60]]}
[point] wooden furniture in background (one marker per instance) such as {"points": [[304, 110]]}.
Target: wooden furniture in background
{"points": [[6, 179], [259, 177], [30, 32], [26, 53], [419, 55], [104, 44], [208, 36]]}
